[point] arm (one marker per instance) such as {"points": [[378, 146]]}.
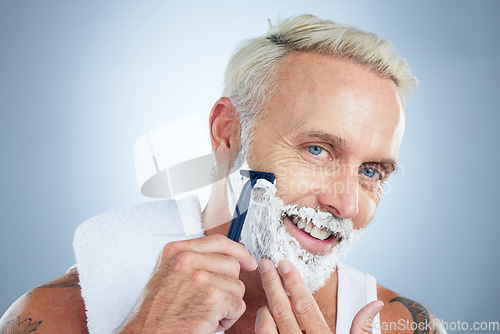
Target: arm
{"points": [[195, 280], [406, 315], [55, 307]]}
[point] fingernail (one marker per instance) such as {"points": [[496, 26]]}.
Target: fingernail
{"points": [[255, 265], [264, 265], [261, 309], [377, 310], [284, 266]]}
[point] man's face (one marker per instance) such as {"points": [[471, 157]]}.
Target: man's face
{"points": [[331, 136]]}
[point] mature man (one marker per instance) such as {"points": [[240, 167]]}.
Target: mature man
{"points": [[321, 106]]}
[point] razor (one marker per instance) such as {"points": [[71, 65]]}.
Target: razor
{"points": [[240, 212]]}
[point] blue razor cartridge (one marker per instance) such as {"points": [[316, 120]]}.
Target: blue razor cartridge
{"points": [[240, 211]]}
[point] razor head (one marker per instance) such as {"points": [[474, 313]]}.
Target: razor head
{"points": [[243, 203], [255, 175]]}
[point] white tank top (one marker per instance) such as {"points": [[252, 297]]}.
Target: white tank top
{"points": [[355, 290]]}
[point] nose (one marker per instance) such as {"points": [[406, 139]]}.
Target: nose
{"points": [[339, 195]]}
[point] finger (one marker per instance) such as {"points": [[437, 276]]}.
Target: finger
{"points": [[264, 323], [363, 321], [304, 306], [220, 296], [216, 243], [279, 305], [212, 262], [213, 283], [229, 309], [236, 308]]}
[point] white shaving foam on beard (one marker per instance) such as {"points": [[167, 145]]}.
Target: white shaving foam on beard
{"points": [[264, 235]]}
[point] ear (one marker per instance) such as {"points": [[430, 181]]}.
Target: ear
{"points": [[224, 132]]}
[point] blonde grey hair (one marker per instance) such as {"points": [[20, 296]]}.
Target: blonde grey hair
{"points": [[250, 75]]}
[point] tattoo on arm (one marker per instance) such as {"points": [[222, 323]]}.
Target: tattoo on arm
{"points": [[15, 326], [419, 313], [73, 282]]}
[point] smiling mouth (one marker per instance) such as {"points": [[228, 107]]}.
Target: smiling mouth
{"points": [[306, 226]]}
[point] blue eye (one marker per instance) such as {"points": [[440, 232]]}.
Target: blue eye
{"points": [[371, 173], [315, 150]]}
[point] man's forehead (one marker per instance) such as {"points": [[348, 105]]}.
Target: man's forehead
{"points": [[347, 102], [306, 75]]}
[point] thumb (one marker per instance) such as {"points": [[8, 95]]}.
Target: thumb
{"points": [[363, 321]]}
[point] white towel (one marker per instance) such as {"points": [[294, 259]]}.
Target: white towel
{"points": [[116, 253]]}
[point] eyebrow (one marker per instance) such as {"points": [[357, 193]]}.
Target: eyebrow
{"points": [[392, 164], [329, 138], [337, 141]]}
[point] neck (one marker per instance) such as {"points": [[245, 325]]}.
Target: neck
{"points": [[216, 213]]}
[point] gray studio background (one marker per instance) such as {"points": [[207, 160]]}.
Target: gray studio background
{"points": [[81, 81]]}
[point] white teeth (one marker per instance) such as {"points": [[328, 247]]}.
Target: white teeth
{"points": [[301, 224], [319, 233], [308, 227], [313, 230]]}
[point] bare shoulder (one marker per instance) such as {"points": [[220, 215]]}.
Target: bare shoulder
{"points": [[54, 307], [403, 315]]}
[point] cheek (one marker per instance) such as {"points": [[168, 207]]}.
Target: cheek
{"points": [[290, 178], [298, 180], [292, 174], [367, 208]]}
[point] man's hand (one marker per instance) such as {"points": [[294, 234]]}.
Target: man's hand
{"points": [[300, 311], [195, 288], [363, 321]]}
